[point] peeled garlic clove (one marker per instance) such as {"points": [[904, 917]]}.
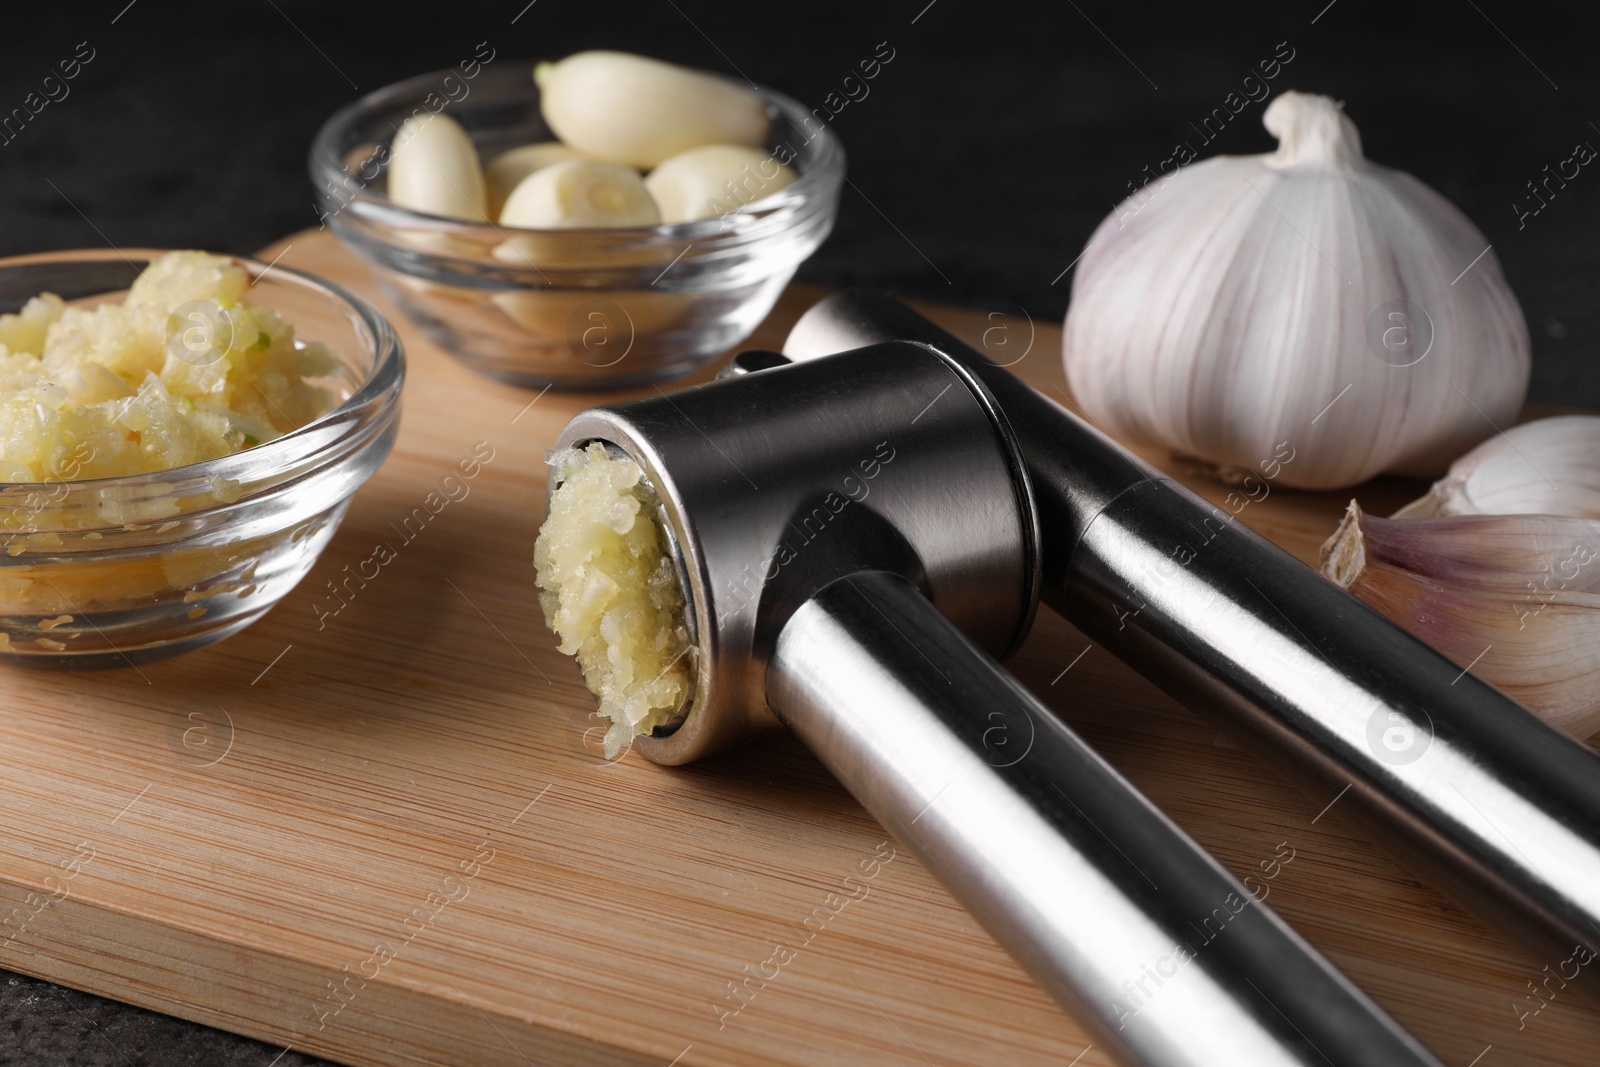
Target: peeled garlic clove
{"points": [[1515, 597], [433, 168], [714, 180], [574, 195], [1546, 467], [603, 324], [638, 111], [544, 249], [436, 243], [1301, 297], [509, 168], [580, 195]]}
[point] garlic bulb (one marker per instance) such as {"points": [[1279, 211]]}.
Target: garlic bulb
{"points": [[1307, 297], [1513, 598], [1546, 467]]}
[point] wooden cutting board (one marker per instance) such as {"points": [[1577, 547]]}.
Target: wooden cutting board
{"points": [[229, 836]]}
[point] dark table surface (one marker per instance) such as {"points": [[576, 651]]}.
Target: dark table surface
{"points": [[984, 154]]}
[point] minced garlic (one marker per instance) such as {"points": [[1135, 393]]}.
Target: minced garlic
{"points": [[181, 371], [610, 590]]}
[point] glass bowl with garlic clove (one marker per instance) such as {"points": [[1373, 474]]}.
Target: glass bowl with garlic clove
{"points": [[603, 221], [180, 435]]}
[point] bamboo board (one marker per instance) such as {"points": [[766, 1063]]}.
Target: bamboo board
{"points": [[229, 835]]}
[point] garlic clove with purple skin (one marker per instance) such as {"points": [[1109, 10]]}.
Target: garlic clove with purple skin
{"points": [[1513, 598]]}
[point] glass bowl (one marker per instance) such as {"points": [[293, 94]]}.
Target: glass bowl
{"points": [[111, 572], [575, 309]]}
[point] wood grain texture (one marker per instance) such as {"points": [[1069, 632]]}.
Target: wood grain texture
{"points": [[264, 812]]}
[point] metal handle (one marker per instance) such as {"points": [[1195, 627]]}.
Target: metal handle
{"points": [[1113, 909], [1472, 789], [1486, 799]]}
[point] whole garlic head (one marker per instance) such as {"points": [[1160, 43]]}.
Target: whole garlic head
{"points": [[1307, 297]]}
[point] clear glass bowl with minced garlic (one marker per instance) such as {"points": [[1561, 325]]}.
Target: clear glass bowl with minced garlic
{"points": [[574, 281], [180, 435]]}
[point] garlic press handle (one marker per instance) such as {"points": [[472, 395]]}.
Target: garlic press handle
{"points": [[1115, 911], [1467, 785]]}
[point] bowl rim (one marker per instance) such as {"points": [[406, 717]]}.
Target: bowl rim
{"points": [[326, 166], [382, 384]]}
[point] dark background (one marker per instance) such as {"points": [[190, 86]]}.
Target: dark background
{"points": [[985, 154]]}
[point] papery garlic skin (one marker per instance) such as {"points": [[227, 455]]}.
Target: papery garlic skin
{"points": [[1221, 311], [1545, 467], [1515, 598]]}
